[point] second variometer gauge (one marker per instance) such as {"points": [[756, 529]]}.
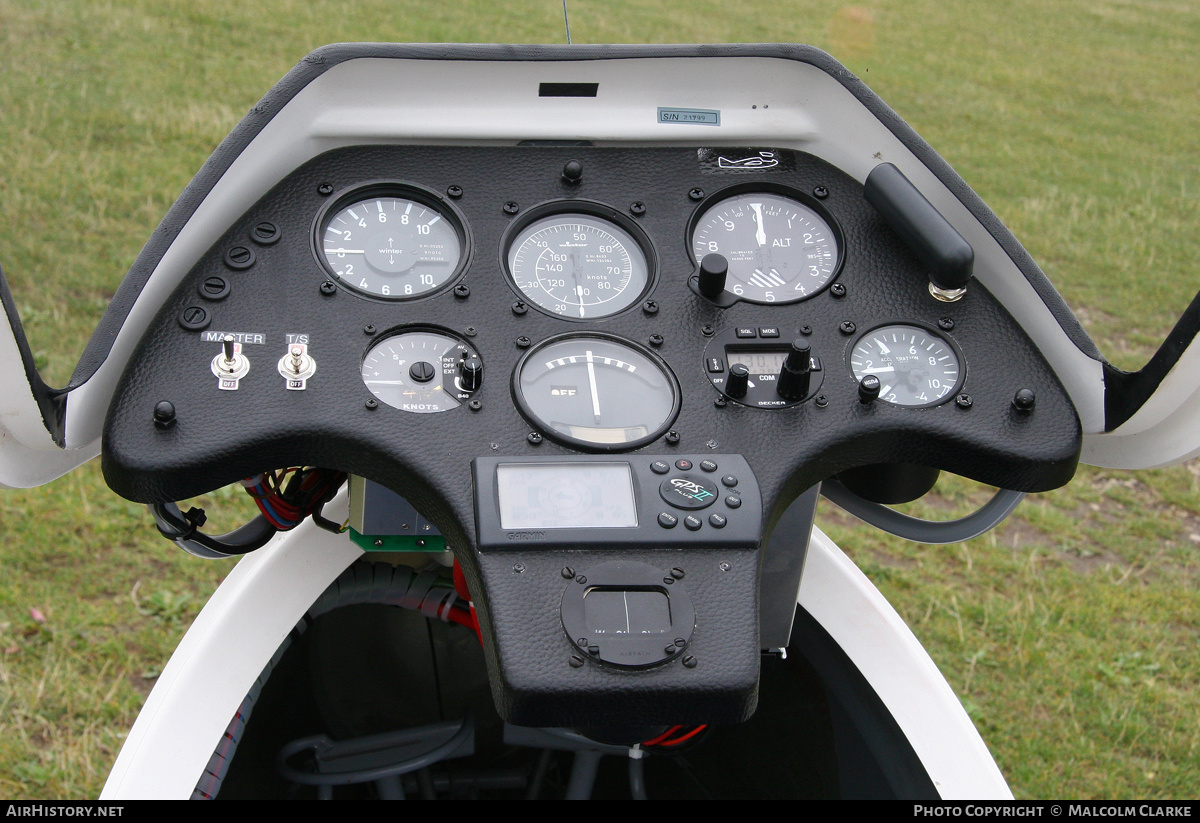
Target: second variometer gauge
{"points": [[579, 260]]}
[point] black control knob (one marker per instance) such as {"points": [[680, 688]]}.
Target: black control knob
{"points": [[794, 375], [572, 172], [738, 382], [421, 371], [713, 269], [470, 373], [868, 389]]}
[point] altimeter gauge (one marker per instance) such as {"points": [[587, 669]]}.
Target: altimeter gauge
{"points": [[779, 249]]}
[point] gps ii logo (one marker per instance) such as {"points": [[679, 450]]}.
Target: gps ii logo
{"points": [[690, 489]]}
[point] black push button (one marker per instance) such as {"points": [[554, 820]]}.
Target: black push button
{"points": [[768, 331], [667, 520], [746, 332], [688, 492], [708, 465], [716, 365], [660, 467], [683, 465], [733, 501], [692, 522], [729, 480], [717, 521]]}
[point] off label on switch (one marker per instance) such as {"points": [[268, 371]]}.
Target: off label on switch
{"points": [[297, 366]]}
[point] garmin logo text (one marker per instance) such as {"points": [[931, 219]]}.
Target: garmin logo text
{"points": [[526, 535]]}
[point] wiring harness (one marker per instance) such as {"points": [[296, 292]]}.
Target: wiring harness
{"points": [[285, 498]]}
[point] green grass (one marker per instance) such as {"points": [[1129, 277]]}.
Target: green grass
{"points": [[1072, 633]]}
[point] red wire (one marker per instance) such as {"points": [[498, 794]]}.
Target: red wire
{"points": [[690, 734], [654, 740]]}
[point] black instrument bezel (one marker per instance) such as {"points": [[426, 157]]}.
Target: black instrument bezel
{"points": [[768, 187], [392, 188], [590, 208]]}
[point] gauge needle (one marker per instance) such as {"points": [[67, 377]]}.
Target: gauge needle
{"points": [[761, 234], [579, 294], [592, 384]]}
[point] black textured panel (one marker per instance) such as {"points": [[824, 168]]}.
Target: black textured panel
{"points": [[222, 436]]}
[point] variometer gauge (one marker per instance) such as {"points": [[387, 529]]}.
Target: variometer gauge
{"points": [[915, 366], [392, 242], [578, 264], [779, 249], [596, 391]]}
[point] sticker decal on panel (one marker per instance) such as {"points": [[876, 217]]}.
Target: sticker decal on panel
{"points": [[734, 160], [692, 117]]}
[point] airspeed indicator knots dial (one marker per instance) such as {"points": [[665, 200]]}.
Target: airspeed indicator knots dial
{"points": [[915, 367], [779, 250], [578, 266]]}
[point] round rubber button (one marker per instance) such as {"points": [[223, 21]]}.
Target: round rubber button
{"points": [[729, 480], [708, 465], [667, 520], [683, 465], [717, 521], [659, 467], [733, 501], [692, 522], [688, 492]]}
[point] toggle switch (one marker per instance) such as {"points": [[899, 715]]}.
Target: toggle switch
{"points": [[230, 365], [297, 366]]}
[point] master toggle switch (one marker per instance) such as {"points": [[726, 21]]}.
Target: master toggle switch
{"points": [[230, 365], [297, 366]]}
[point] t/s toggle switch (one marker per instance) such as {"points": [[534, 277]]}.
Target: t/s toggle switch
{"points": [[297, 366]]}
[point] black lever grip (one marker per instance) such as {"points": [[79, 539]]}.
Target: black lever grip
{"points": [[948, 257]]}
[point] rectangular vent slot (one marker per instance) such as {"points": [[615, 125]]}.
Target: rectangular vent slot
{"points": [[567, 89]]}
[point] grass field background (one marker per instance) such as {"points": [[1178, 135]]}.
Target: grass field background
{"points": [[1072, 633]]}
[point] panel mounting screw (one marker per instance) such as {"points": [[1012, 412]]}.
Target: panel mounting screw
{"points": [[656, 340], [470, 331], [511, 207], [576, 661], [677, 573], [708, 331], [519, 308], [581, 579], [672, 437], [696, 193], [847, 327], [946, 323], [837, 290], [567, 572], [518, 568], [650, 307], [454, 191], [1024, 400], [690, 661], [325, 189], [524, 342], [725, 567], [462, 291], [534, 438], [369, 328], [372, 404], [963, 401], [474, 405], [820, 192], [328, 288], [720, 402], [806, 330], [822, 401], [164, 414], [265, 233], [637, 208]]}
